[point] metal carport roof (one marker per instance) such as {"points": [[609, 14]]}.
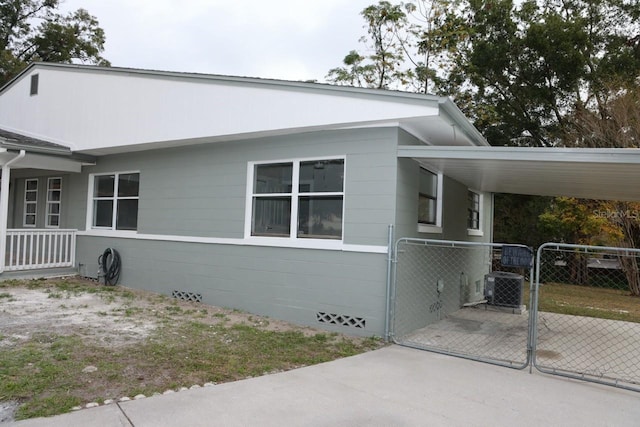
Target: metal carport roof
{"points": [[592, 173]]}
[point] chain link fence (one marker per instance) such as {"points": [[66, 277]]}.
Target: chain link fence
{"points": [[588, 314], [464, 299]]}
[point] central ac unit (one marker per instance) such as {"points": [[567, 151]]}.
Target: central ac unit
{"points": [[503, 289]]}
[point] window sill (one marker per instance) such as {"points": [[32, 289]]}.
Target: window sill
{"points": [[107, 233], [431, 229], [472, 232], [288, 242], [336, 245]]}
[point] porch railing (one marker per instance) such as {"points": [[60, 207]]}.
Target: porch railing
{"points": [[30, 249]]}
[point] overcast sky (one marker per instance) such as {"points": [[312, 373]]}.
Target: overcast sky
{"points": [[281, 39]]}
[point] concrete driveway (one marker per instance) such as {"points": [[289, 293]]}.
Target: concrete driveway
{"points": [[393, 386]]}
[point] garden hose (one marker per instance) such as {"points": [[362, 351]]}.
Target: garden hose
{"points": [[109, 263]]}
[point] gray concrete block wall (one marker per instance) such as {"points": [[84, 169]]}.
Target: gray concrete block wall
{"points": [[289, 284], [201, 191], [420, 268], [454, 203]]}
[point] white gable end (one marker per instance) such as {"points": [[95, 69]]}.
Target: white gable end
{"points": [[97, 110]]}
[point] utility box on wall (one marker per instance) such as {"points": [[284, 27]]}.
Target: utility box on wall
{"points": [[503, 289]]}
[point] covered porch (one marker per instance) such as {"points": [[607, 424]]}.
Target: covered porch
{"points": [[35, 234]]}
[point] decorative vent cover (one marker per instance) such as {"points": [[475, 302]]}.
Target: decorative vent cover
{"points": [[340, 319], [187, 296]]}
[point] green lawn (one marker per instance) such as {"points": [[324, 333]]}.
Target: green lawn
{"points": [[588, 301]]}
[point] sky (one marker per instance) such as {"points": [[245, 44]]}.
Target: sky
{"points": [[279, 39]]}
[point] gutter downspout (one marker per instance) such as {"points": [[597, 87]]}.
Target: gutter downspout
{"points": [[4, 206]]}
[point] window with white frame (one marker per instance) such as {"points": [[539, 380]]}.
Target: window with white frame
{"points": [[54, 199], [30, 202], [474, 212], [301, 195], [115, 201], [429, 201]]}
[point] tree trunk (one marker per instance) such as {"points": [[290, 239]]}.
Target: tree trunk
{"points": [[578, 269], [630, 225], [629, 266]]}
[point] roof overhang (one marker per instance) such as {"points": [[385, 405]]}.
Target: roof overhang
{"points": [[589, 173], [42, 162], [206, 109]]}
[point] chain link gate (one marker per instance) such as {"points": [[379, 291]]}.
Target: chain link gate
{"points": [[588, 321], [464, 299]]}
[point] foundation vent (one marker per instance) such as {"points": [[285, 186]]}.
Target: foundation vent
{"points": [[340, 319], [187, 296]]}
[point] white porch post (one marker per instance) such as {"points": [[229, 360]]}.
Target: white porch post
{"points": [[4, 206]]}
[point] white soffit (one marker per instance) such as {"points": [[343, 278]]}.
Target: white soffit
{"points": [[42, 162], [610, 174]]}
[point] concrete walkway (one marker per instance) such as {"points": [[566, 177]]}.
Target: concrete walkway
{"points": [[393, 386]]}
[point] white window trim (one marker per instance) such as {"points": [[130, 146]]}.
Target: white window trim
{"points": [[293, 240], [89, 219], [437, 227], [478, 232], [52, 202], [35, 202]]}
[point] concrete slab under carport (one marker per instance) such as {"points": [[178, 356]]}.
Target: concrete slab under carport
{"points": [[393, 386], [479, 332], [601, 349]]}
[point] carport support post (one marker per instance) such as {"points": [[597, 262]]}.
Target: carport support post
{"points": [[387, 323], [533, 313], [4, 206]]}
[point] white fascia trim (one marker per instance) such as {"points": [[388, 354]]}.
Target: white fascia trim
{"points": [[331, 245], [526, 154], [40, 136]]}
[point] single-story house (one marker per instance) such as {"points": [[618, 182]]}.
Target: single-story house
{"points": [[280, 198]]}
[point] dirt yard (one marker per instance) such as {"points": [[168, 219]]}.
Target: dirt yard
{"points": [[105, 317], [68, 343]]}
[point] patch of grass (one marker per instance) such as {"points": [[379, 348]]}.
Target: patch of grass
{"points": [[614, 304], [47, 406], [57, 295], [5, 295], [110, 298], [132, 311], [46, 373], [41, 367], [11, 283], [173, 309], [127, 294], [75, 288], [36, 283]]}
